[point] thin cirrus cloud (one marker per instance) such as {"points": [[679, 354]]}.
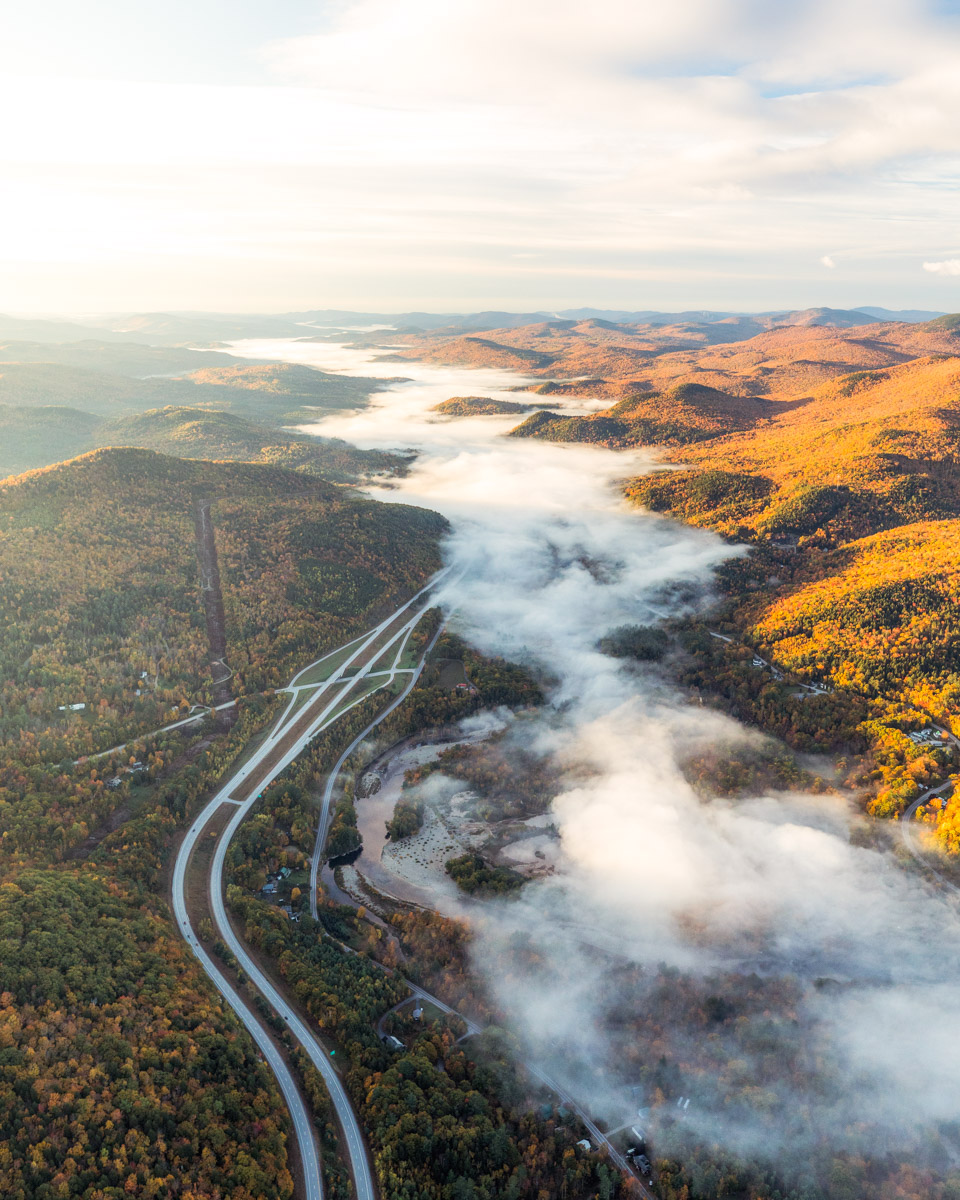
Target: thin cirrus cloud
{"points": [[699, 153]]}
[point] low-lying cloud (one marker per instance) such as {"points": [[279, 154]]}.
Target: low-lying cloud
{"points": [[771, 888]]}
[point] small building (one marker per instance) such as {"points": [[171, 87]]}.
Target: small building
{"points": [[270, 888], [418, 1013], [584, 1144], [71, 707], [393, 1043]]}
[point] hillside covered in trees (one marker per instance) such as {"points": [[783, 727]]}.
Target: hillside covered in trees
{"points": [[37, 437], [833, 451], [120, 1070], [100, 604], [778, 356], [58, 401]]}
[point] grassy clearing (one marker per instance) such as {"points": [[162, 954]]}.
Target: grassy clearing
{"points": [[324, 668], [303, 697]]}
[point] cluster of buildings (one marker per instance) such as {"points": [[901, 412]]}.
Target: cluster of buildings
{"points": [[132, 769], [271, 888], [760, 664], [931, 736]]}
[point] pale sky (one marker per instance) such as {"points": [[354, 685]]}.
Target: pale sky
{"points": [[466, 154]]}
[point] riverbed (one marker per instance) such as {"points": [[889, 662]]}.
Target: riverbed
{"points": [[549, 558]]}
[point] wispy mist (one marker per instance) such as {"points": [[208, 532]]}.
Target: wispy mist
{"points": [[855, 950]]}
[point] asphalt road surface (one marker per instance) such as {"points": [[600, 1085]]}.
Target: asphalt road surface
{"points": [[257, 770]]}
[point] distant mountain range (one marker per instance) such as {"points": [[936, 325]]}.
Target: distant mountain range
{"points": [[180, 328]]}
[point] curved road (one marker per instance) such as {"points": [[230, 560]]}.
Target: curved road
{"points": [[906, 831], [472, 1026], [241, 791], [269, 760]]}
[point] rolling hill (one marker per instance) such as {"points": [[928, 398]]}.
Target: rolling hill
{"points": [[686, 413], [835, 452], [32, 437], [254, 395], [99, 581], [101, 607], [36, 437], [117, 358], [478, 406], [747, 356], [201, 433]]}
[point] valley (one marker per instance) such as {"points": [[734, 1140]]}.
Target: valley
{"points": [[557, 715]]}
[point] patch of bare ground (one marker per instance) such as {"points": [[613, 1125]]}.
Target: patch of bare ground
{"points": [[214, 612]]}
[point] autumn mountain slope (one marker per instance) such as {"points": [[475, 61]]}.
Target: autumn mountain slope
{"points": [[782, 362], [122, 1072], [302, 562], [275, 393], [230, 409], [836, 453]]}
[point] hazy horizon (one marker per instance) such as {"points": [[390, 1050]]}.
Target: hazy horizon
{"points": [[476, 156]]}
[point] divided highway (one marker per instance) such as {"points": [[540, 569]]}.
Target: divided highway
{"points": [[296, 727], [347, 685]]}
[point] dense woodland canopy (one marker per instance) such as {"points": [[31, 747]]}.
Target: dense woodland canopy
{"points": [[120, 1073], [829, 448], [123, 1073], [478, 406]]}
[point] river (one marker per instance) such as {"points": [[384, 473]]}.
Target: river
{"points": [[551, 558]]}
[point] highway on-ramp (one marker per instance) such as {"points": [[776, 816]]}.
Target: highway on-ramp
{"points": [[342, 689]]}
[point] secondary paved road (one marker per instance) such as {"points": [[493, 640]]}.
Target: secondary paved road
{"points": [[906, 832], [472, 1027], [274, 754]]}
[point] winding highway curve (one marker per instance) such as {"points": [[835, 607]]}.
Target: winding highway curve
{"points": [[294, 729]]}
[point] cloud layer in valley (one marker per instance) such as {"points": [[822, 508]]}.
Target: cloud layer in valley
{"points": [[843, 946]]}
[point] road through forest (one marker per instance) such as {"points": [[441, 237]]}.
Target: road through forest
{"points": [[293, 731]]}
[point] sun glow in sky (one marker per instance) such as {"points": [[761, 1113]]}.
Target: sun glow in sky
{"points": [[459, 154]]}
